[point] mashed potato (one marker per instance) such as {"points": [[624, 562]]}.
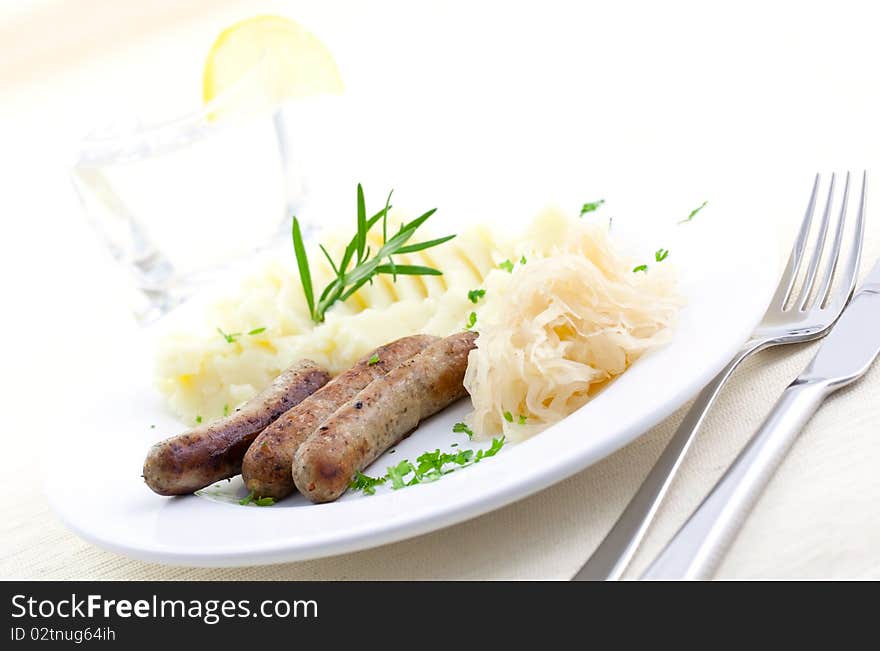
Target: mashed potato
{"points": [[203, 375], [559, 327]]}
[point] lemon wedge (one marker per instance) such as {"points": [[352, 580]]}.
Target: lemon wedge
{"points": [[289, 62]]}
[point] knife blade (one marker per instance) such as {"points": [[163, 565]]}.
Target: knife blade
{"points": [[854, 341]]}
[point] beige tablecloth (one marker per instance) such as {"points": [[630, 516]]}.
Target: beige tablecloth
{"points": [[819, 518]]}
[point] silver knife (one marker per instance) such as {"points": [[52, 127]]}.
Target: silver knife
{"points": [[845, 355]]}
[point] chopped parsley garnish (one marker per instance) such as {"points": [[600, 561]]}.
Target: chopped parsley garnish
{"points": [[429, 463], [362, 482], [198, 419], [374, 359], [659, 255], [521, 420], [491, 451], [523, 260], [508, 416], [476, 294], [429, 466], [471, 321], [396, 474], [232, 337], [259, 501], [454, 445], [461, 428], [507, 265], [229, 337], [591, 207], [225, 410], [694, 212]]}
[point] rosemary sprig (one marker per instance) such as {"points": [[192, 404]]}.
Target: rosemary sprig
{"points": [[348, 281], [305, 275]]}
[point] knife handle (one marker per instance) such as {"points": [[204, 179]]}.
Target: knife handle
{"points": [[698, 547]]}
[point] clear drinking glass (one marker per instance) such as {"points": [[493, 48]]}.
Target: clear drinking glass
{"points": [[179, 201]]}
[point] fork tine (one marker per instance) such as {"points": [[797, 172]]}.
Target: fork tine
{"points": [[831, 267], [783, 290], [816, 258], [840, 297]]}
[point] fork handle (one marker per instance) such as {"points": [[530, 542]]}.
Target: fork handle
{"points": [[614, 553], [698, 547]]}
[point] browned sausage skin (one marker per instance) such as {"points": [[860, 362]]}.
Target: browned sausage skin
{"points": [[379, 416], [205, 454], [266, 467]]}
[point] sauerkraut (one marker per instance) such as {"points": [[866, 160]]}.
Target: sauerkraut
{"points": [[571, 316]]}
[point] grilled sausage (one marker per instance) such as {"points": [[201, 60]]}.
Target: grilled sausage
{"points": [[266, 467], [379, 416], [207, 453]]}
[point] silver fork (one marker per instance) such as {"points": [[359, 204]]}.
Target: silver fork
{"points": [[793, 316]]}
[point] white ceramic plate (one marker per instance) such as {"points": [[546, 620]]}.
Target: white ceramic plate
{"points": [[727, 275]]}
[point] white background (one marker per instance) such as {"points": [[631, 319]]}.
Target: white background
{"points": [[698, 94]]}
